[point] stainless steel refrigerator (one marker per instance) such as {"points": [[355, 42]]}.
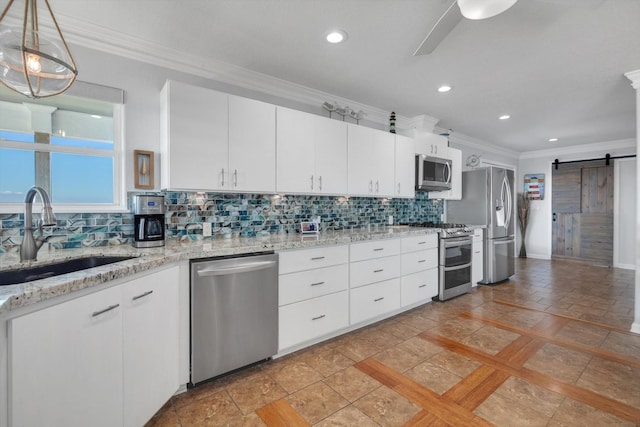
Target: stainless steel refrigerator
{"points": [[488, 199]]}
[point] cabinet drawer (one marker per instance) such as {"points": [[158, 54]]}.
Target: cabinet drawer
{"points": [[477, 234], [413, 262], [306, 320], [373, 300], [419, 243], [375, 249], [374, 270], [421, 286], [294, 287], [306, 259]]}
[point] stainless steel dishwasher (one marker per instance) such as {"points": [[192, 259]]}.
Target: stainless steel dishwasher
{"points": [[234, 313]]}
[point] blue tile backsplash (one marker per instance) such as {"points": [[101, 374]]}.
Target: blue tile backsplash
{"points": [[229, 214]]}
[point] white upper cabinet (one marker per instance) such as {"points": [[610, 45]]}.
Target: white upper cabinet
{"points": [[405, 167], [252, 146], [455, 193], [194, 137], [311, 153], [371, 170], [431, 144], [216, 142]]}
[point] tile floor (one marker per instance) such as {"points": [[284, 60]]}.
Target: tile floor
{"points": [[550, 347]]}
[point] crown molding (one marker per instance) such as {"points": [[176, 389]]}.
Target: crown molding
{"points": [[621, 144], [634, 76], [106, 40], [475, 143]]}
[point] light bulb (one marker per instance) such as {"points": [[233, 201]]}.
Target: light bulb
{"points": [[33, 64]]}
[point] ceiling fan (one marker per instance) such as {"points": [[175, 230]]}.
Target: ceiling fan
{"points": [[469, 9]]}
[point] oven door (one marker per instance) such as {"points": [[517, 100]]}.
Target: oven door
{"points": [[456, 251], [454, 281]]}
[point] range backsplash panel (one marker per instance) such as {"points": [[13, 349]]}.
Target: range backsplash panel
{"points": [[231, 215]]}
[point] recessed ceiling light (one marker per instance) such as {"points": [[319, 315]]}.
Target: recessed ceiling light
{"points": [[336, 36], [445, 88], [553, 139], [504, 117]]}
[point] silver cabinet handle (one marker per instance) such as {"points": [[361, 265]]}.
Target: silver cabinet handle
{"points": [[398, 188], [137, 297], [378, 299], [111, 307], [222, 177], [318, 317], [378, 271], [317, 284], [377, 187], [312, 182], [316, 258], [422, 286], [378, 249], [422, 243], [370, 186], [235, 177], [422, 260], [320, 183]]}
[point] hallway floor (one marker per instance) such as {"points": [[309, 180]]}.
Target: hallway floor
{"points": [[549, 347]]}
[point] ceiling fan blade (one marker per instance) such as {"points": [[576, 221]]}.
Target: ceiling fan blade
{"points": [[445, 24]]}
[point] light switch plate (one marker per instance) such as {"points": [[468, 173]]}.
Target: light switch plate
{"points": [[206, 229]]}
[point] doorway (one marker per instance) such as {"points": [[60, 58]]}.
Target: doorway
{"points": [[582, 206]]}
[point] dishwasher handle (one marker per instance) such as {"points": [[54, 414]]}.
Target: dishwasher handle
{"points": [[241, 268]]}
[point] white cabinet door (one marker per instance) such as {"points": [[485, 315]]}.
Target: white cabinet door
{"points": [[306, 259], [419, 287], [371, 168], [252, 145], [331, 155], [477, 258], [455, 193], [66, 363], [405, 167], [302, 285], [374, 270], [374, 300], [295, 152], [431, 144], [194, 137], [151, 344], [306, 320]]}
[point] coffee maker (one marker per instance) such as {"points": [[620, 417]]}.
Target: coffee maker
{"points": [[148, 221]]}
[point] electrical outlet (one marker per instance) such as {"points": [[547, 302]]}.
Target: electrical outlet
{"points": [[206, 229], [390, 220]]}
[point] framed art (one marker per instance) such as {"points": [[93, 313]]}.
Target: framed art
{"points": [[143, 169]]}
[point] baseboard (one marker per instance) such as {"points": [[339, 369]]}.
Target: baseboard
{"points": [[635, 327], [538, 256], [625, 266]]}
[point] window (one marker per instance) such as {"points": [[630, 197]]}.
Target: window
{"points": [[69, 145]]}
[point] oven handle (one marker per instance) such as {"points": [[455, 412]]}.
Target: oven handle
{"points": [[457, 267], [456, 241]]}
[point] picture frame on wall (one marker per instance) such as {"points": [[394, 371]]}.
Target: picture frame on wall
{"points": [[534, 186], [143, 169]]}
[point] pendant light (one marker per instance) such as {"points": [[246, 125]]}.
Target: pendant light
{"points": [[33, 63], [483, 9]]}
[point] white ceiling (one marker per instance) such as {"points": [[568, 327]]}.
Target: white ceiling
{"points": [[556, 66]]}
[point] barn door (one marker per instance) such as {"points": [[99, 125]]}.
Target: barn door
{"points": [[582, 204]]}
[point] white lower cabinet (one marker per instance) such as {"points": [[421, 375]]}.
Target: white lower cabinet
{"points": [[420, 286], [151, 349], [309, 319], [102, 359], [477, 258], [374, 300]]}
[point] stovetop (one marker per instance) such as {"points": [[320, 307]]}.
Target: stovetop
{"points": [[446, 229]]}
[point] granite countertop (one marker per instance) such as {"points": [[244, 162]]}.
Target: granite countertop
{"points": [[21, 295]]}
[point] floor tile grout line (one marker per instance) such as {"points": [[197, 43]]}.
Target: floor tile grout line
{"points": [[573, 391], [602, 325], [593, 351]]}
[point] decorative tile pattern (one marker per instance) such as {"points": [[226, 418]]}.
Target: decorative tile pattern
{"points": [[231, 215]]}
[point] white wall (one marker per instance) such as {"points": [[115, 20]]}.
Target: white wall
{"points": [[538, 239], [624, 249]]}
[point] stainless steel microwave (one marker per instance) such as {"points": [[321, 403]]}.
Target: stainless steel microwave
{"points": [[432, 173]]}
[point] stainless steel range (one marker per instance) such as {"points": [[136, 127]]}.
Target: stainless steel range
{"points": [[455, 253]]}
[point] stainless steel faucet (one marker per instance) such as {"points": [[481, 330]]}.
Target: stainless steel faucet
{"points": [[30, 245]]}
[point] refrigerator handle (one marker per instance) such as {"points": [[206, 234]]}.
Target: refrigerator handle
{"points": [[509, 202]]}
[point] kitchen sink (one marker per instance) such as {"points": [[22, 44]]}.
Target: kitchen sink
{"points": [[12, 277]]}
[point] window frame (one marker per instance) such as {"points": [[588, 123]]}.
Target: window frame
{"points": [[118, 154]]}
